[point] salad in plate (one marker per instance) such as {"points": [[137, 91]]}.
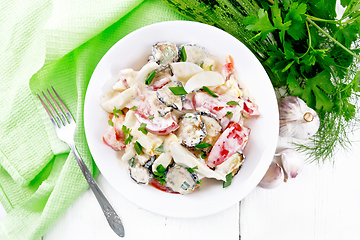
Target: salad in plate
{"points": [[179, 119]]}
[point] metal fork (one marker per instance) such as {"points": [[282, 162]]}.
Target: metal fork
{"points": [[65, 129]]}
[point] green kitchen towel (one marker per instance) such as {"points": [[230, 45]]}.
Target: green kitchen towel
{"points": [[57, 43]]}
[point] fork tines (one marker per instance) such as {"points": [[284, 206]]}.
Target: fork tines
{"points": [[55, 119]]}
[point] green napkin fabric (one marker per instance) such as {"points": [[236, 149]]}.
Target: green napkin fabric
{"points": [[57, 43]]}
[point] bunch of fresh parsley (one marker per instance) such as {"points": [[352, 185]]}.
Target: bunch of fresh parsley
{"points": [[315, 56]]}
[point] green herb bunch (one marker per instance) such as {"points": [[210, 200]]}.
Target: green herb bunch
{"points": [[315, 56]]}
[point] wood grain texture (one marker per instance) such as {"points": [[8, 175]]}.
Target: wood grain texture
{"points": [[322, 202], [85, 220]]}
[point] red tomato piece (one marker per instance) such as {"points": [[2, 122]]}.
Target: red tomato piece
{"points": [[161, 187], [250, 108], [233, 139], [218, 106], [159, 84], [114, 139], [156, 125], [228, 69]]}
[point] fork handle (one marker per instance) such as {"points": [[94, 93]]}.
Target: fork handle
{"points": [[109, 212]]}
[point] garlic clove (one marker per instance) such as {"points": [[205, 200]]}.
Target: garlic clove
{"points": [[291, 162], [296, 118], [273, 177]]}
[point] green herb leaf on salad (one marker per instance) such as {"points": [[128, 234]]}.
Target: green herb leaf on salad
{"points": [[116, 111], [159, 174], [210, 92], [229, 114], [142, 128], [203, 145], [128, 136], [150, 77], [178, 90], [160, 148], [232, 103], [191, 170], [110, 122], [183, 55], [132, 162], [133, 108], [228, 180], [138, 147]]}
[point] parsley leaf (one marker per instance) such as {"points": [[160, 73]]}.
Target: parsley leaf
{"points": [[278, 21], [191, 170], [260, 23], [116, 111], [210, 92], [127, 135], [159, 174], [178, 90], [150, 77], [110, 122], [229, 114], [232, 103], [318, 87], [183, 56], [160, 148], [228, 180], [133, 108], [203, 145], [138, 147], [142, 128]]}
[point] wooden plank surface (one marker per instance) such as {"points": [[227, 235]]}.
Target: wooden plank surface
{"points": [[85, 220], [323, 202]]}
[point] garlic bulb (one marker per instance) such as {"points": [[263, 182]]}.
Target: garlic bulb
{"points": [[291, 163], [297, 119], [273, 177]]}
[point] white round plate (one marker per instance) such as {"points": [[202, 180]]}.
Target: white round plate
{"points": [[132, 51]]}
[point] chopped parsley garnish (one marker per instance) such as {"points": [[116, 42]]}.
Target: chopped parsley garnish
{"points": [[232, 103], [151, 117], [183, 54], [142, 128], [159, 174], [160, 148], [150, 77], [229, 115], [210, 68], [128, 136], [116, 111], [203, 155], [201, 64], [133, 108], [203, 145], [228, 180], [132, 162], [178, 90], [138, 147], [191, 170], [111, 123], [210, 92]]}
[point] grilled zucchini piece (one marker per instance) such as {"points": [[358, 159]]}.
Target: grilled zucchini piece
{"points": [[191, 130]]}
